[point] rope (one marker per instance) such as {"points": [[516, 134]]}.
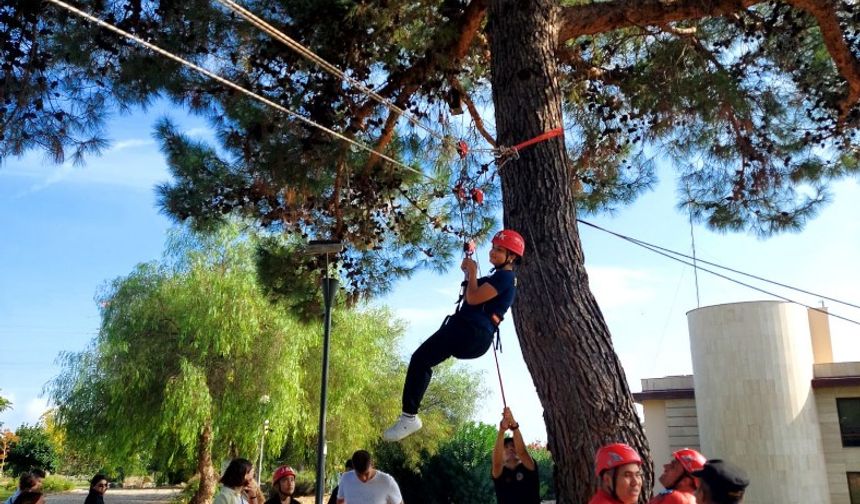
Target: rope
{"points": [[506, 154], [540, 138], [462, 191], [328, 67], [462, 147], [659, 250], [750, 275], [237, 87], [499, 372]]}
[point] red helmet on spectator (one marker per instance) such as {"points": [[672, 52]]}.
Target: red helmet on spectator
{"points": [[281, 473], [690, 459], [510, 241], [615, 455]]}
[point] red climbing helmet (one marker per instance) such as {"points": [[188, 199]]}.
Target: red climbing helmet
{"points": [[511, 241], [282, 472], [615, 455], [690, 459]]}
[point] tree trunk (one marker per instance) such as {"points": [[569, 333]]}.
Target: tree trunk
{"points": [[205, 469], [565, 341]]}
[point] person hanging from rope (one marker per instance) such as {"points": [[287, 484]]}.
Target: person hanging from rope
{"points": [[468, 333]]}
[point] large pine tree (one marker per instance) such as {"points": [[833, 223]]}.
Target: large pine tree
{"points": [[755, 103]]}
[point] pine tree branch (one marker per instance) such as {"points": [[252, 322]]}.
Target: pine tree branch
{"points": [[846, 63], [602, 17], [473, 110], [384, 139], [404, 83]]}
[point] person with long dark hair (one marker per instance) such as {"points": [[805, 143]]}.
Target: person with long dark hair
{"points": [[98, 486], [238, 485]]}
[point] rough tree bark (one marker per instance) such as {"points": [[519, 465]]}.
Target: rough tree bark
{"points": [[566, 343], [205, 469]]}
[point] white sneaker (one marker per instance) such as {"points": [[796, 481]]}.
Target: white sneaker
{"points": [[403, 427]]}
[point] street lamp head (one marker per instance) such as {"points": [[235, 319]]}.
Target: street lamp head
{"points": [[323, 247]]}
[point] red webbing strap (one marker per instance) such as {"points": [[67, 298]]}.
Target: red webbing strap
{"points": [[540, 138]]}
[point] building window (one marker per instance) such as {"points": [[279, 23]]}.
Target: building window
{"points": [[849, 421], [854, 487]]}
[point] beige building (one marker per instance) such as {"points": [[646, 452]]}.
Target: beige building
{"points": [[765, 394]]}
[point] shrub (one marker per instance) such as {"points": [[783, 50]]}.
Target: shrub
{"points": [[460, 469], [34, 449], [546, 470], [54, 483]]}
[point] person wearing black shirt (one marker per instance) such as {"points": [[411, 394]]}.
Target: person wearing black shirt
{"points": [[98, 487], [515, 473]]}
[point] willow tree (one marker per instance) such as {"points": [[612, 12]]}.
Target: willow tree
{"points": [[753, 102], [192, 357]]}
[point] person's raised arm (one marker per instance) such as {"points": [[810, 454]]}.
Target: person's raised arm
{"points": [[499, 448], [476, 294], [519, 444]]}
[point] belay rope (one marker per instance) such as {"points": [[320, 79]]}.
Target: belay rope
{"points": [[468, 193]]}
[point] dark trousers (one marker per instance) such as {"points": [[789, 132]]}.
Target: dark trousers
{"points": [[456, 338]]}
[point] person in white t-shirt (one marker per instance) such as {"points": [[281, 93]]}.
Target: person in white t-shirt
{"points": [[367, 485]]}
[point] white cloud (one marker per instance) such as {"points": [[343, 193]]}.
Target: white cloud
{"points": [[57, 175], [419, 315], [198, 132], [131, 163], [34, 409], [29, 412], [615, 286], [131, 143], [449, 292]]}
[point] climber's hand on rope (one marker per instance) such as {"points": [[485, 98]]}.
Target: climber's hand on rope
{"points": [[469, 267], [504, 424], [509, 417]]}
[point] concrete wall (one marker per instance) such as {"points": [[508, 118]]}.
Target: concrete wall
{"points": [[657, 432], [682, 424], [819, 328], [840, 460], [752, 364]]}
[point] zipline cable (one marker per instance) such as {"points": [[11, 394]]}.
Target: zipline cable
{"points": [[698, 259], [329, 67], [236, 87], [657, 250]]}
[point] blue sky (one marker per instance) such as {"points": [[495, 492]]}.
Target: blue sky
{"points": [[68, 230]]}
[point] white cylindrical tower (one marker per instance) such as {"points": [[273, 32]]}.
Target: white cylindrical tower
{"points": [[752, 367]]}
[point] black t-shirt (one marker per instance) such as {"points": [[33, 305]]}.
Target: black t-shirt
{"points": [[517, 486], [94, 498], [504, 281], [276, 499]]}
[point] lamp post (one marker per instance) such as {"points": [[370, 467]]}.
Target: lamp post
{"points": [[329, 287], [262, 445]]}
